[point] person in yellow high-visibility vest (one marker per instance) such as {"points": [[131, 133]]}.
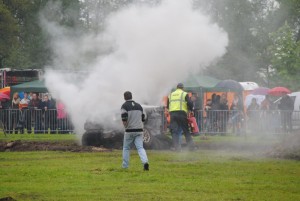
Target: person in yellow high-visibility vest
{"points": [[179, 104]]}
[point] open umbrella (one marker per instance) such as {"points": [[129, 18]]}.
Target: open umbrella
{"points": [[279, 91], [231, 85], [260, 91], [4, 97], [5, 90]]}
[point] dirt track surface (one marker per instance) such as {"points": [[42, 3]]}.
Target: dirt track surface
{"points": [[48, 146], [288, 147], [19, 145]]}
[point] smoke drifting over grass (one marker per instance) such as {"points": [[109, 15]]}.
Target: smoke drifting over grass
{"points": [[144, 49]]}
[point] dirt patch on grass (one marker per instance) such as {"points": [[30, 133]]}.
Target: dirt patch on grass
{"points": [[287, 148], [19, 145]]}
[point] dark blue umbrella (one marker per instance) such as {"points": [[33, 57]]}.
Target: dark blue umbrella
{"points": [[231, 85]]}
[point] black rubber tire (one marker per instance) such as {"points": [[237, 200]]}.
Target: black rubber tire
{"points": [[147, 139]]}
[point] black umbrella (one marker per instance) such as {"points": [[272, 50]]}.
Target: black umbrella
{"points": [[231, 85]]}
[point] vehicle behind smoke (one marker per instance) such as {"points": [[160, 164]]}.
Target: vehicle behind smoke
{"points": [[296, 113], [112, 136]]}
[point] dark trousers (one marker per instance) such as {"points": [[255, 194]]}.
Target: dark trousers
{"points": [[179, 123], [28, 118], [286, 121], [4, 114], [50, 121], [223, 122], [37, 115], [24, 120], [13, 119], [64, 125]]}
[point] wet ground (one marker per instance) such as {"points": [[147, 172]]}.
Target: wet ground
{"points": [[48, 146], [287, 147]]}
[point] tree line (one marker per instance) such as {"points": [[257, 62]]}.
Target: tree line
{"points": [[264, 35]]}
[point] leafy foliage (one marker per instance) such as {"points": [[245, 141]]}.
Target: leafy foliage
{"points": [[250, 55], [286, 56], [24, 38], [8, 31]]}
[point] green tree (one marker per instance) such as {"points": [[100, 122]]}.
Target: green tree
{"points": [[243, 21], [248, 24], [285, 51], [32, 48], [8, 32]]}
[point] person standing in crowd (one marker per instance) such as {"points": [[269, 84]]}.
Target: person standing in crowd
{"points": [[253, 114], [209, 114], [178, 105], [35, 105], [286, 107], [197, 109], [62, 121], [133, 117], [223, 113], [4, 106], [237, 114], [215, 112], [266, 108], [49, 111], [25, 112], [30, 95], [14, 113], [25, 101]]}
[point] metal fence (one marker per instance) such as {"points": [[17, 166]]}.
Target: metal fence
{"points": [[237, 122], [209, 122], [35, 121]]}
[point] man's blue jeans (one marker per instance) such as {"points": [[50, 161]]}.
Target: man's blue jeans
{"points": [[137, 139]]}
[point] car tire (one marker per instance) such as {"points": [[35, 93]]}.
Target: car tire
{"points": [[147, 139]]}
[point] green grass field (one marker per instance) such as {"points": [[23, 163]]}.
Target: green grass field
{"points": [[199, 175]]}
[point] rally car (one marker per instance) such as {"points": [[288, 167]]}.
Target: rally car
{"points": [[112, 137]]}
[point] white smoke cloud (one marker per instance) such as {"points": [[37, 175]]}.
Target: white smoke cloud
{"points": [[143, 49]]}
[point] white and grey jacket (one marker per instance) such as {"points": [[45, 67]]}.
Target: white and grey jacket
{"points": [[132, 113]]}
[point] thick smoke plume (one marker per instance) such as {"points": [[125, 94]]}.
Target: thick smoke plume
{"points": [[144, 49]]}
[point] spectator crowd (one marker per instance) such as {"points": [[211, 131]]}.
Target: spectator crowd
{"points": [[34, 113], [39, 113], [274, 116]]}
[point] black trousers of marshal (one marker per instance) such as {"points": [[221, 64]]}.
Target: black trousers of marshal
{"points": [[178, 124]]}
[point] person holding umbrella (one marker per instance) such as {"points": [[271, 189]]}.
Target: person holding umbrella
{"points": [[286, 107]]}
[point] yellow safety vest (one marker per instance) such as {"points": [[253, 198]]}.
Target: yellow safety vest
{"points": [[177, 101]]}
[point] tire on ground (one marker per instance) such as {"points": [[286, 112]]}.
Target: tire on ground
{"points": [[147, 139], [157, 142], [91, 138]]}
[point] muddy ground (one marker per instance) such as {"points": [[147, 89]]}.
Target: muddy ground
{"points": [[47, 146], [288, 147], [19, 145]]}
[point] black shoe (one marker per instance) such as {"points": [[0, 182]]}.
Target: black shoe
{"points": [[146, 167]]}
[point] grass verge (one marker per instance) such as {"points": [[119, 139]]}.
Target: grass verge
{"points": [[37, 137], [200, 175]]}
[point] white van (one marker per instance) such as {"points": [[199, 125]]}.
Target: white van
{"points": [[249, 86], [296, 114], [296, 97]]}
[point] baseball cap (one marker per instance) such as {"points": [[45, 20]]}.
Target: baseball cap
{"points": [[180, 85]]}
